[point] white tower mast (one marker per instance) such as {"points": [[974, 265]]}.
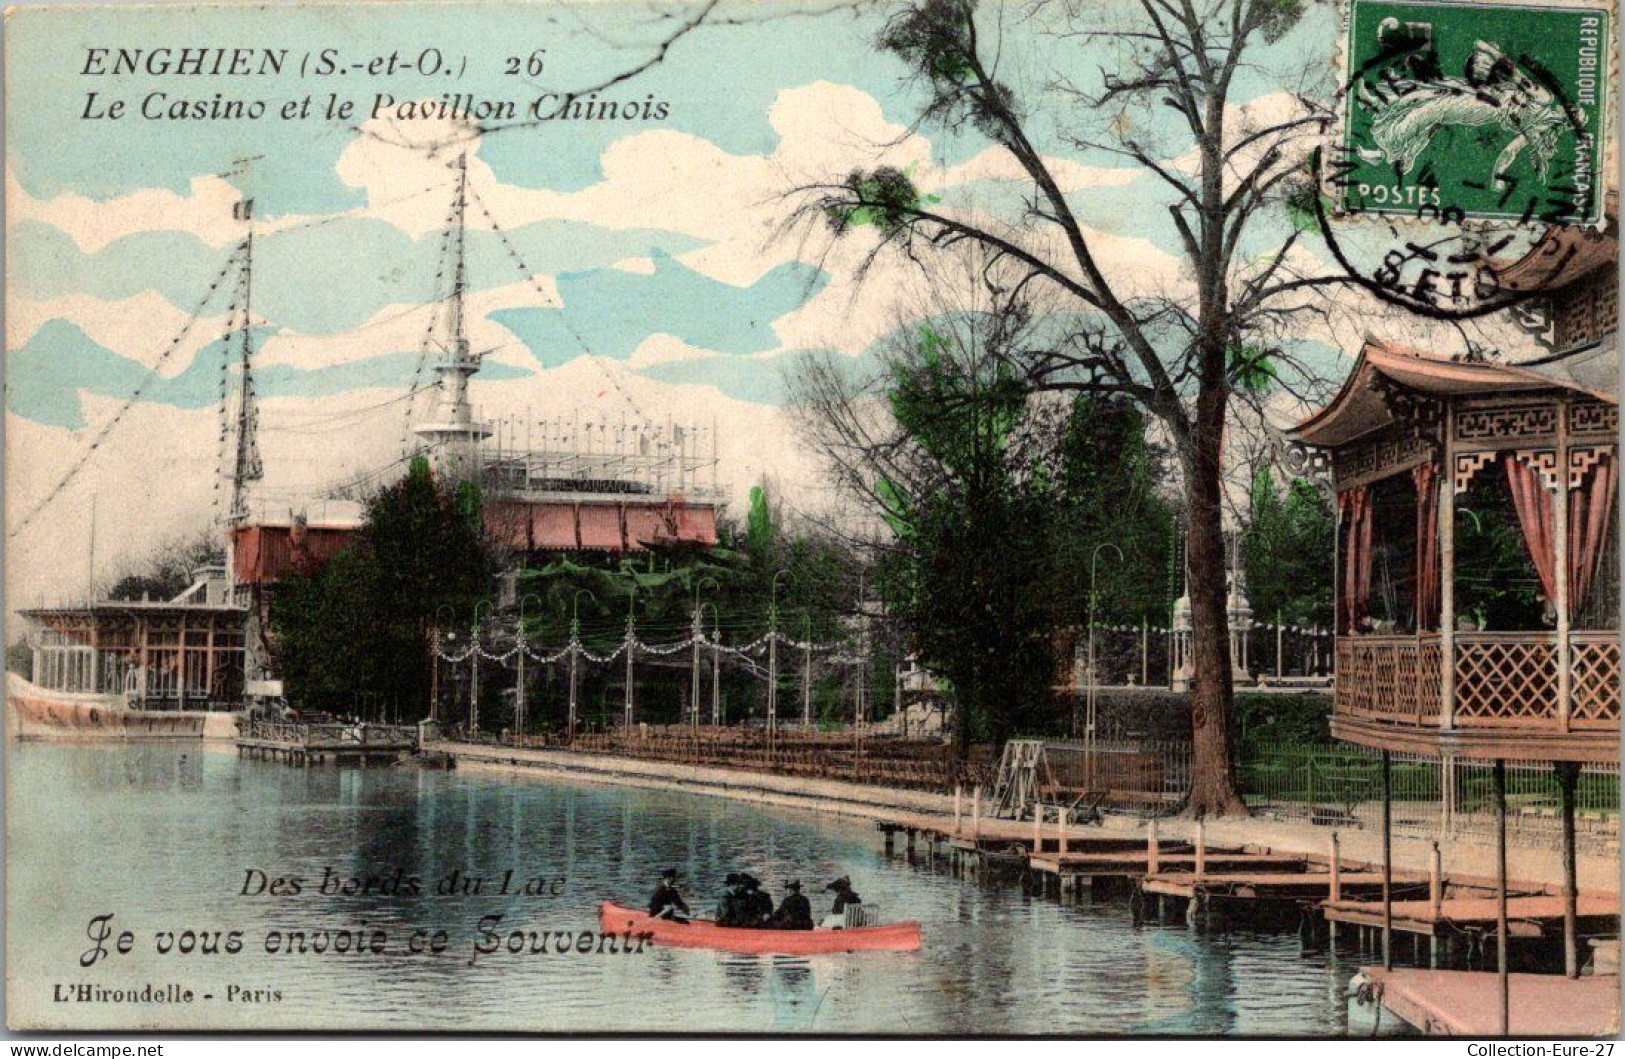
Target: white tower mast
{"points": [[453, 436]]}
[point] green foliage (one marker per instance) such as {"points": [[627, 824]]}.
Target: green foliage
{"points": [[166, 571], [1300, 720], [883, 199], [359, 627], [1496, 584], [963, 578], [976, 621], [20, 659], [759, 532], [1107, 493], [1276, 18], [937, 40], [1252, 368], [1286, 552]]}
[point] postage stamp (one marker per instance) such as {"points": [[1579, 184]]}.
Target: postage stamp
{"points": [[1475, 111], [838, 518]]}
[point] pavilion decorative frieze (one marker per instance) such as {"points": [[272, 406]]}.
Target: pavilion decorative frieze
{"points": [[1582, 460], [1508, 426], [1383, 457], [1310, 463], [1594, 419], [1468, 464], [1543, 462]]}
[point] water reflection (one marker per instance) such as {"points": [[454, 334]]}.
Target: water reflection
{"points": [[175, 828]]}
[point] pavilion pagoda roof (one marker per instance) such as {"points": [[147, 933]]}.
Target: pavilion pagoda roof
{"points": [[1360, 408]]}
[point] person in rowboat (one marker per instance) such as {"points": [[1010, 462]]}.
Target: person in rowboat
{"points": [[795, 911], [667, 902], [758, 903], [844, 895], [731, 909]]}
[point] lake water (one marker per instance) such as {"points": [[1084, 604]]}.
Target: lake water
{"points": [[163, 836]]}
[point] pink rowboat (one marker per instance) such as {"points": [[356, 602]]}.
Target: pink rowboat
{"points": [[704, 934]]}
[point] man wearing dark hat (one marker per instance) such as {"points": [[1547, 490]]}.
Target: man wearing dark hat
{"points": [[795, 911], [667, 903], [730, 910], [844, 895], [758, 903]]}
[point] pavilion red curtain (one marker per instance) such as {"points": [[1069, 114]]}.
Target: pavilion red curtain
{"points": [[1591, 505], [1533, 502], [1426, 477], [1355, 507]]}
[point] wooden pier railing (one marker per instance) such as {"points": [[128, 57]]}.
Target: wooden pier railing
{"points": [[879, 761], [296, 733]]}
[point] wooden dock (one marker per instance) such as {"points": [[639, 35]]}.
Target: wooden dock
{"points": [[316, 744], [1468, 1003], [1527, 916], [1135, 863], [1303, 885]]}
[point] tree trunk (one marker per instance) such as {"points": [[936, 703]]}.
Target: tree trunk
{"points": [[1213, 773], [961, 731]]}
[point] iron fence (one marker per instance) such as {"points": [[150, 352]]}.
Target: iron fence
{"points": [[1145, 776], [1430, 797]]}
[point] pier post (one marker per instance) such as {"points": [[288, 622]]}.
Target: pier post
{"points": [[1201, 847], [956, 808], [1435, 902], [1038, 828], [976, 813], [1060, 830], [1568, 779], [1335, 889], [1153, 848], [1501, 894], [1387, 862]]}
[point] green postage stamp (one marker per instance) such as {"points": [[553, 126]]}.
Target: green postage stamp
{"points": [[1476, 111]]}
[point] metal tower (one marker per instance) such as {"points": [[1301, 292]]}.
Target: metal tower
{"points": [[452, 437]]}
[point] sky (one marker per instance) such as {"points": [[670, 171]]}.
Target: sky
{"points": [[659, 280]]}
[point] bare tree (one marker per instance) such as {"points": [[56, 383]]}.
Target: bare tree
{"points": [[1182, 352]]}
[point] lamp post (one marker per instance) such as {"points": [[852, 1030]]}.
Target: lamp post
{"points": [[434, 679], [474, 666], [1089, 718], [716, 663], [806, 670], [523, 642], [631, 652], [575, 652], [698, 637], [773, 654]]}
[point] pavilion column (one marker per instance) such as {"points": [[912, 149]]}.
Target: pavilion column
{"points": [[1447, 576], [1560, 569]]}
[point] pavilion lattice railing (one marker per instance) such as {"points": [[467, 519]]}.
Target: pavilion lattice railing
{"points": [[1505, 679], [1393, 679], [1594, 699]]}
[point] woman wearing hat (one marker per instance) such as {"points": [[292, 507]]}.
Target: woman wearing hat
{"points": [[844, 895]]}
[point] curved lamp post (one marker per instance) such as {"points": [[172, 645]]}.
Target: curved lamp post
{"points": [[631, 653], [522, 642], [773, 654], [697, 635], [434, 678], [716, 662], [575, 652], [474, 664]]}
